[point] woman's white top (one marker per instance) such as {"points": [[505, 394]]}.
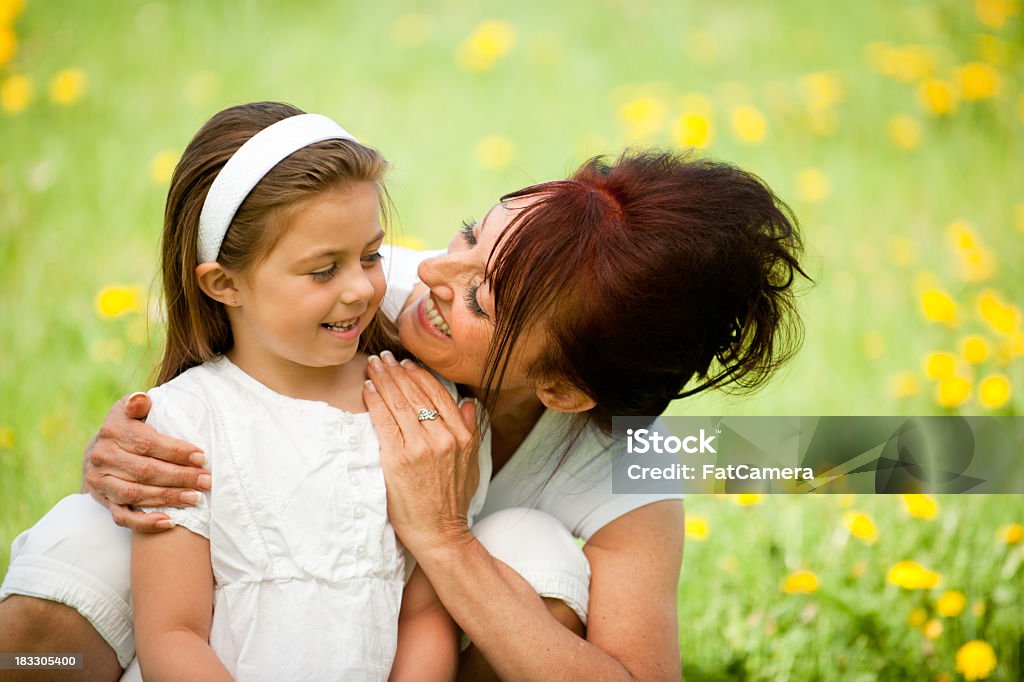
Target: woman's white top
{"points": [[308, 571]]}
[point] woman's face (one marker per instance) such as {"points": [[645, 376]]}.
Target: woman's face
{"points": [[450, 328]]}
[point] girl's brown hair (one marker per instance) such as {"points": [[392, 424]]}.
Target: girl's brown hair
{"points": [[197, 326]]}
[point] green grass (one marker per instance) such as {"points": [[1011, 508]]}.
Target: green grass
{"points": [[79, 210]]}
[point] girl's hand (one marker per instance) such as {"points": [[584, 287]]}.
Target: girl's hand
{"points": [[430, 466], [129, 463]]}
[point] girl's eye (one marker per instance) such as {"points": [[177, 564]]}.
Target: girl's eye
{"points": [[467, 232], [325, 275], [472, 303], [372, 259]]}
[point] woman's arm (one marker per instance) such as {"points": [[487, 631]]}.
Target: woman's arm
{"points": [[632, 628], [129, 463], [172, 595], [428, 643]]}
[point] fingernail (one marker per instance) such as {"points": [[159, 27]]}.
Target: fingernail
{"points": [[205, 481], [408, 363], [198, 459], [369, 385], [165, 523], [374, 361], [190, 496], [388, 357], [136, 394]]}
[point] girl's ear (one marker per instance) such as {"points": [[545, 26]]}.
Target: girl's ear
{"points": [[217, 283], [561, 397]]}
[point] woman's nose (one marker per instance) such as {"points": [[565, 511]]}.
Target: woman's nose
{"points": [[442, 274]]}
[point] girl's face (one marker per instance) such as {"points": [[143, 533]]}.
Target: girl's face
{"points": [[308, 301], [450, 328]]}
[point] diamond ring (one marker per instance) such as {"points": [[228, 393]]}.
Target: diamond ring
{"points": [[426, 414]]}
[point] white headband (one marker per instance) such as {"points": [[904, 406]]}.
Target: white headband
{"points": [[248, 165]]}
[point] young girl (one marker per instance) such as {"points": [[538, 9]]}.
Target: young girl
{"points": [[289, 568]]}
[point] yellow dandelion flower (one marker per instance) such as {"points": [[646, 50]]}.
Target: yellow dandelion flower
{"points": [[748, 499], [932, 629], [8, 44], [749, 124], [6, 437], [975, 660], [977, 80], [873, 344], [15, 93], [1002, 317], [994, 391], [161, 168], [953, 391], [1012, 534], [904, 385], [812, 185], [921, 506], [643, 116], [67, 86], [697, 528], [905, 132], [114, 300], [911, 575], [489, 42], [961, 236], [951, 604], [975, 349], [861, 526], [494, 152], [821, 90], [9, 11], [938, 306], [994, 13], [917, 617], [800, 582], [693, 129], [410, 30], [937, 97], [992, 50], [939, 365], [977, 264]]}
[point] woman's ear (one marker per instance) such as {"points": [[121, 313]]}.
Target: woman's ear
{"points": [[217, 283], [562, 397]]}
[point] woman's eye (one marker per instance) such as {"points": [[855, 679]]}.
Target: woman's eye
{"points": [[472, 303], [467, 232], [325, 275], [372, 259]]}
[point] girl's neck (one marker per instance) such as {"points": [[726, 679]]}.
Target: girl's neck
{"points": [[340, 386], [515, 413]]}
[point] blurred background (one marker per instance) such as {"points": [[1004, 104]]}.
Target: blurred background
{"points": [[893, 129]]}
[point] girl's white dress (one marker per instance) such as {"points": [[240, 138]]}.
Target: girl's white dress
{"points": [[308, 571]]}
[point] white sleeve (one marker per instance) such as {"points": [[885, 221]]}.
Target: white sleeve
{"points": [[400, 268], [183, 415]]}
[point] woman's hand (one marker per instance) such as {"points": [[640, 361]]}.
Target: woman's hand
{"points": [[430, 466], [128, 463]]}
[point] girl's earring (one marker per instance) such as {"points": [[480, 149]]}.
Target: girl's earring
{"points": [[234, 301]]}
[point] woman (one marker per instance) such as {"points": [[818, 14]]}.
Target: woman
{"points": [[572, 301]]}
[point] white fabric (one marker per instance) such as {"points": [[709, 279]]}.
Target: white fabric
{"points": [[542, 551], [308, 572], [248, 165]]}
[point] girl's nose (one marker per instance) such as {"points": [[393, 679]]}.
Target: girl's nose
{"points": [[356, 287]]}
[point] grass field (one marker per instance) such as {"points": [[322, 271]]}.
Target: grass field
{"points": [[894, 129]]}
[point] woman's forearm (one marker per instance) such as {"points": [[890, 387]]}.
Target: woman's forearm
{"points": [[507, 620]]}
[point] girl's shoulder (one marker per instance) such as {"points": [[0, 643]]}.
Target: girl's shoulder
{"points": [[192, 393]]}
